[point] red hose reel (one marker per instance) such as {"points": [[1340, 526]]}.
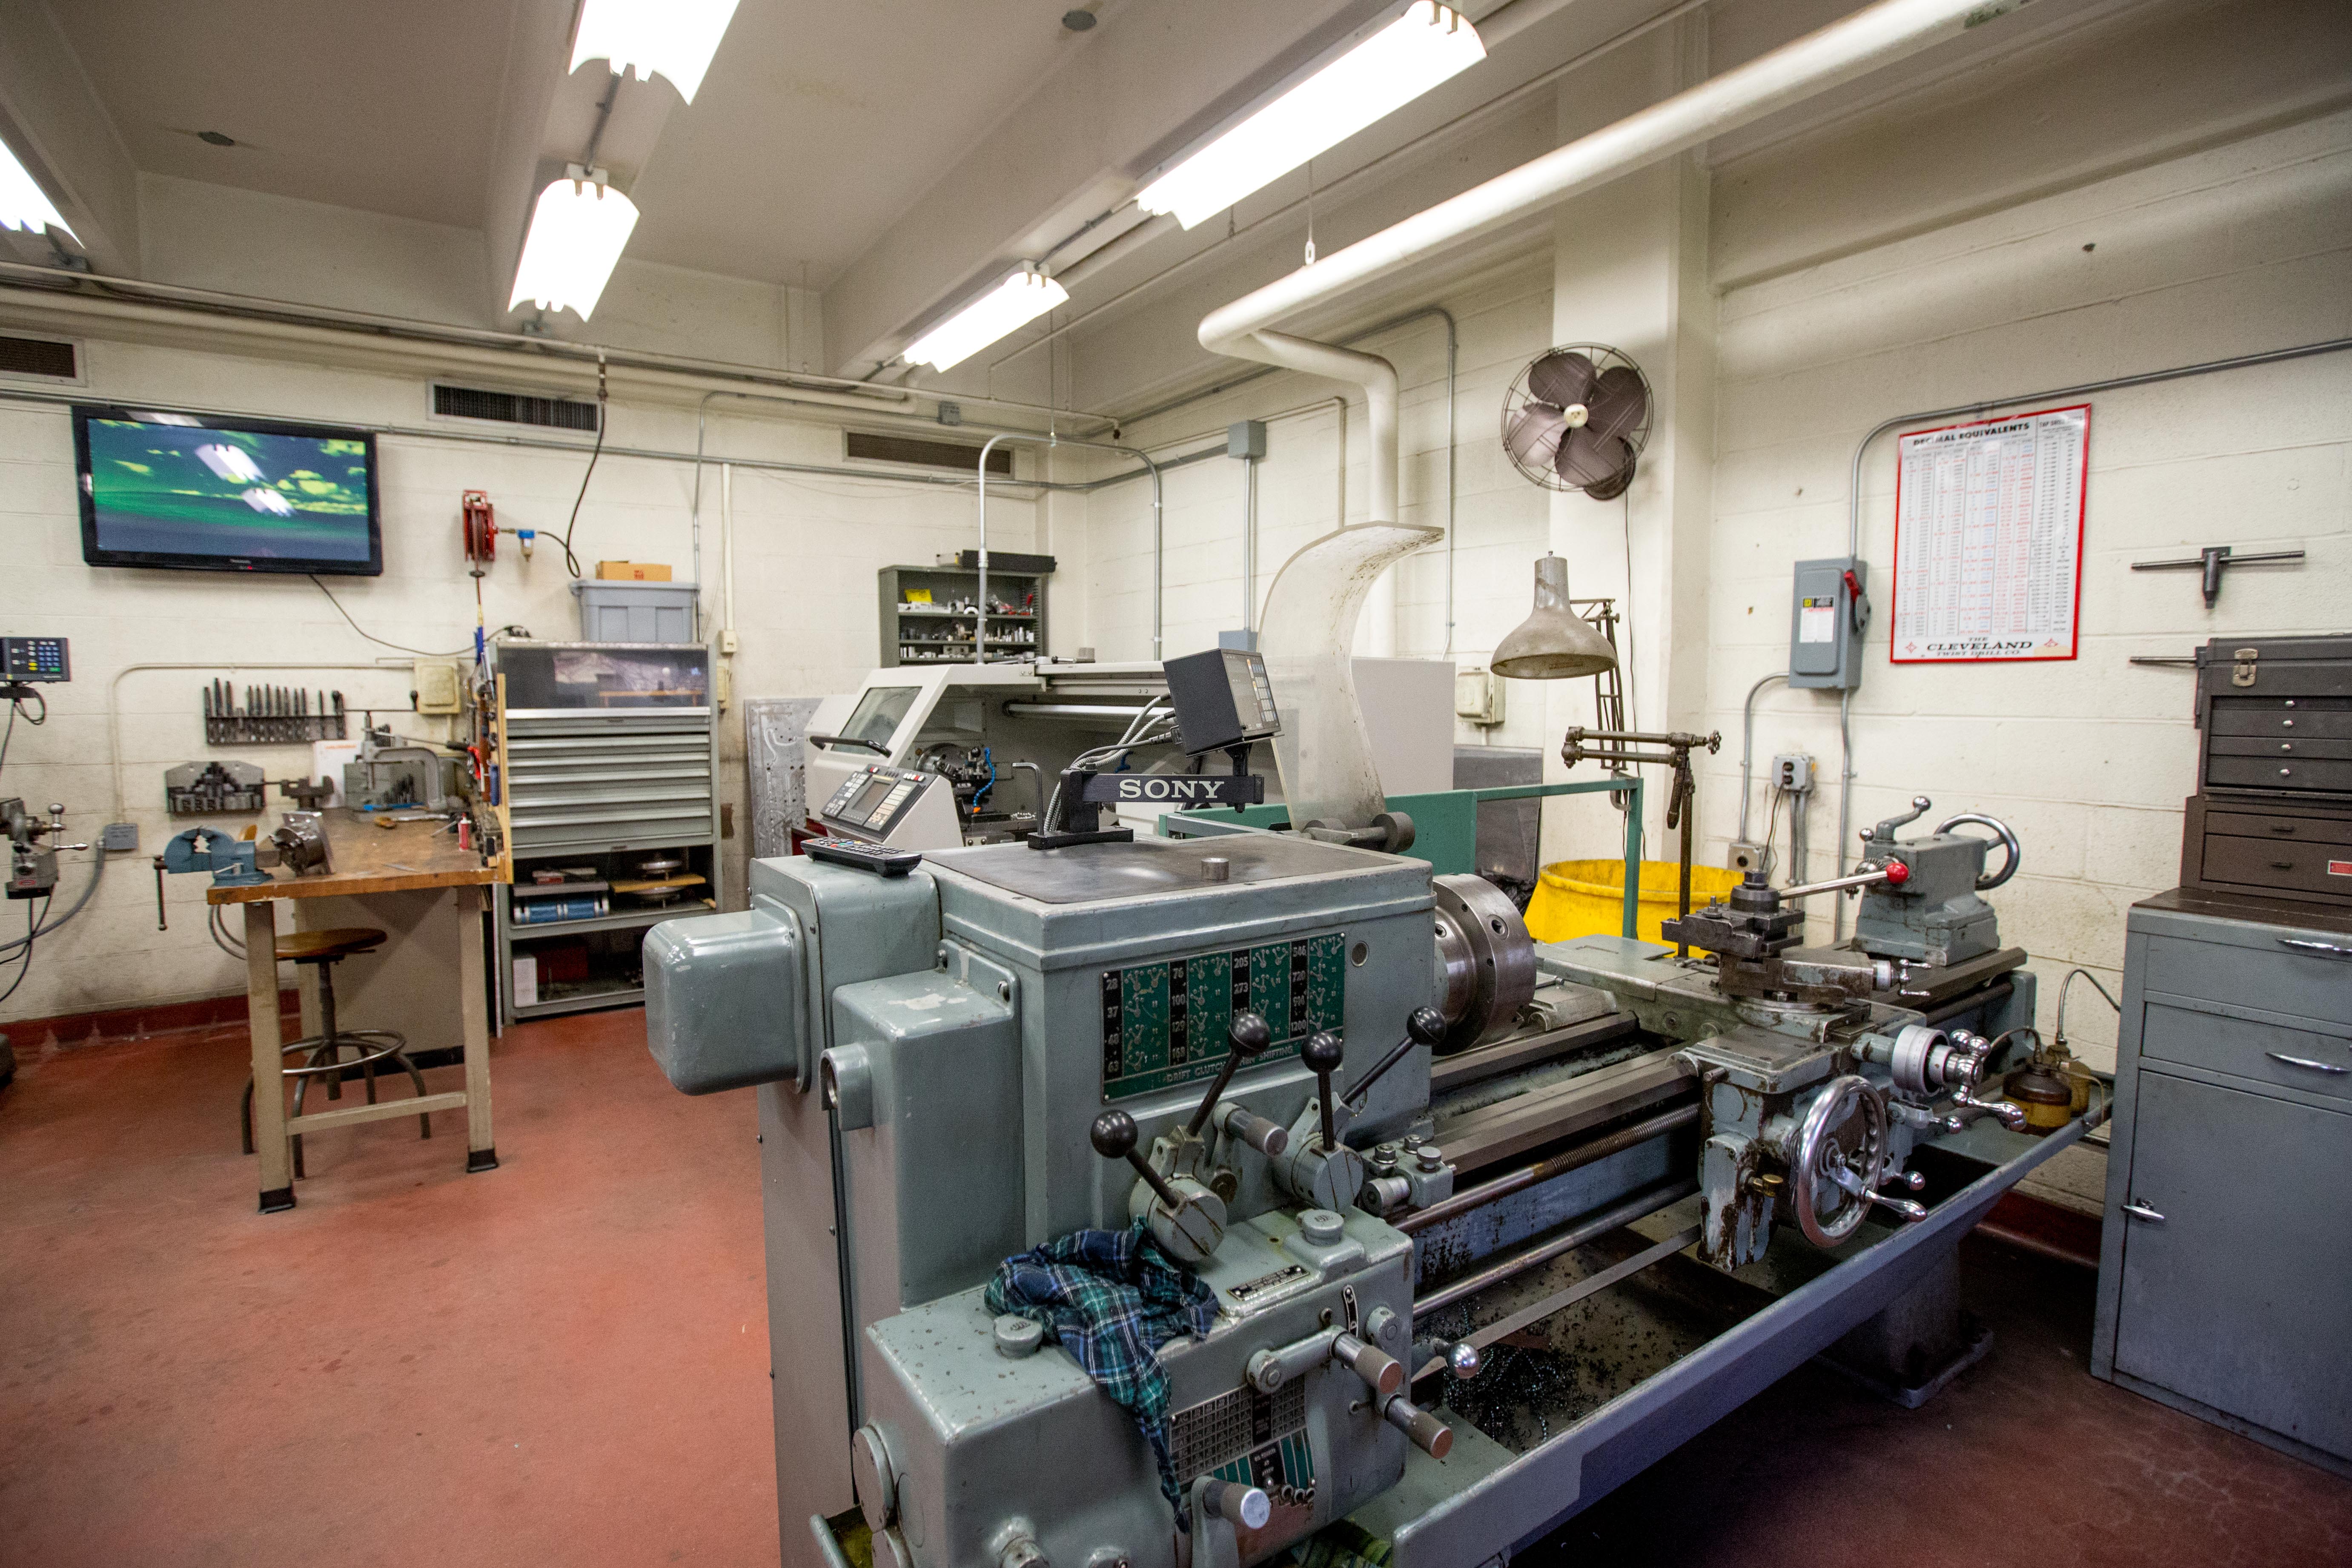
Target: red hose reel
{"points": [[480, 527]]}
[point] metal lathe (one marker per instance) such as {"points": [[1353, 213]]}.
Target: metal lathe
{"points": [[1490, 1225]]}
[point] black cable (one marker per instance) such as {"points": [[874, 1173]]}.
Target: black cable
{"points": [[421, 653], [571, 561], [31, 924], [16, 706], [97, 869]]}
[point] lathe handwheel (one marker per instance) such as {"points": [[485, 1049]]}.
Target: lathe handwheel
{"points": [[1847, 1126]]}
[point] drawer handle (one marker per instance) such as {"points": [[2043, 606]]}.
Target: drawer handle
{"points": [[2331, 949], [2307, 1062], [2141, 1211], [2282, 828], [2282, 865]]}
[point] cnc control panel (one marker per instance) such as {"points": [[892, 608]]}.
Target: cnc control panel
{"points": [[874, 800]]}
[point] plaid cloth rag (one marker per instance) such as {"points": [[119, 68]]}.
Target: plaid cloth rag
{"points": [[1112, 1298]]}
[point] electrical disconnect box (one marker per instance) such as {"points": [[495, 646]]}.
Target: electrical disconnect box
{"points": [[1830, 608], [438, 688], [1478, 698]]}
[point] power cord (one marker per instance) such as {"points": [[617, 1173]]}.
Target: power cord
{"points": [[32, 929], [16, 706], [571, 561], [398, 648]]}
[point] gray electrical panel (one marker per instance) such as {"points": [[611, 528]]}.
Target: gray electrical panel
{"points": [[1829, 608]]}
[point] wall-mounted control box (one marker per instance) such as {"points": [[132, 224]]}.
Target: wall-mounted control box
{"points": [[1830, 608]]}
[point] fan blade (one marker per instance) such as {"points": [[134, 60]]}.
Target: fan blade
{"points": [[1617, 484], [1535, 433], [1562, 378], [1587, 457], [1620, 402]]}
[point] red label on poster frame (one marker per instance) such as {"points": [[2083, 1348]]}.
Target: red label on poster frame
{"points": [[1917, 644]]}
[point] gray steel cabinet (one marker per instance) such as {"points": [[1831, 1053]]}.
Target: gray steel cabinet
{"points": [[2225, 1280]]}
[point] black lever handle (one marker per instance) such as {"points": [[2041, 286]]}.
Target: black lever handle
{"points": [[1113, 1136], [1425, 1027], [1249, 1035], [1321, 1053]]}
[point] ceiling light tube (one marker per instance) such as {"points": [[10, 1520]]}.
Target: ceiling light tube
{"points": [[1021, 298], [675, 38], [23, 204], [1427, 45], [577, 232]]}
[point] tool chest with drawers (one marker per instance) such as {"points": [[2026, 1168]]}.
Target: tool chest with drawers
{"points": [[2273, 812]]}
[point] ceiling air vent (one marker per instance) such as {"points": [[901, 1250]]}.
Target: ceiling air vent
{"points": [[39, 357], [512, 407], [915, 451]]}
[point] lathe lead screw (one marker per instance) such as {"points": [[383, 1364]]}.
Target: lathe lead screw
{"points": [[1113, 1136]]}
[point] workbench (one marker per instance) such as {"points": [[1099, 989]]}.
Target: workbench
{"points": [[367, 861]]}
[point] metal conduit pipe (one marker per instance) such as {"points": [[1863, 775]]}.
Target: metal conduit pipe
{"points": [[980, 632], [1854, 512], [1642, 1205], [132, 296], [1874, 37], [1560, 1164]]}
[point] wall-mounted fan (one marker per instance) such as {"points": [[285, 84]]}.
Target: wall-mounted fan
{"points": [[1575, 420]]}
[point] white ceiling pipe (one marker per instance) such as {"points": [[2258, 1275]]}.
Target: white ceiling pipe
{"points": [[1874, 37]]}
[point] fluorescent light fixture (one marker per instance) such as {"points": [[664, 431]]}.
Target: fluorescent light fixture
{"points": [[1021, 298], [577, 231], [22, 204], [675, 38], [1424, 46]]}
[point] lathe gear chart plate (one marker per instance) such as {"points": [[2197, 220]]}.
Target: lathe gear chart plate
{"points": [[1165, 1024]]}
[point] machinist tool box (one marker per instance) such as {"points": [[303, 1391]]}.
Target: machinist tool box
{"points": [[2273, 808]]}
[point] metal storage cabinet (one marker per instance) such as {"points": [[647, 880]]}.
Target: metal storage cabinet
{"points": [[598, 772], [2225, 1272]]}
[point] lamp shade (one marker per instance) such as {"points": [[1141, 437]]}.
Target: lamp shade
{"points": [[1554, 642]]}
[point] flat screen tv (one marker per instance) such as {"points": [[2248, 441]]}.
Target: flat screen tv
{"points": [[225, 494]]}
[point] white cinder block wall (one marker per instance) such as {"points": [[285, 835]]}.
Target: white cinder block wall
{"points": [[807, 550], [2242, 249], [2233, 250]]}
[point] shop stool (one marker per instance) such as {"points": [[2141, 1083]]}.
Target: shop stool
{"points": [[325, 1050]]}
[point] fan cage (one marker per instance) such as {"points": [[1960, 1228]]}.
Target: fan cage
{"points": [[1604, 358]]}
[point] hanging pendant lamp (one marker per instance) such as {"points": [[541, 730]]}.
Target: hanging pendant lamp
{"points": [[1554, 642]]}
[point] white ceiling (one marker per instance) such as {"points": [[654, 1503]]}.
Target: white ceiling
{"points": [[388, 106], [818, 122]]}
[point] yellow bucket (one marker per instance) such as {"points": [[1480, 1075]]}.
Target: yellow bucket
{"points": [[1587, 898]]}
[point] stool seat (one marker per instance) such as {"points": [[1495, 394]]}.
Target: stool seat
{"points": [[326, 946]]}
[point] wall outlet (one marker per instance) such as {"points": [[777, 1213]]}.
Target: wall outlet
{"points": [[1746, 858], [1792, 771], [122, 836]]}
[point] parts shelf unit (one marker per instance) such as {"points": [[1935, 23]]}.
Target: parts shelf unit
{"points": [[612, 762], [926, 612]]}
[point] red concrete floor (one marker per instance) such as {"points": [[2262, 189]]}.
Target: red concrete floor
{"points": [[563, 1361]]}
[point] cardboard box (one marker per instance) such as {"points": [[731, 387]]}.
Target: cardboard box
{"points": [[630, 572]]}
